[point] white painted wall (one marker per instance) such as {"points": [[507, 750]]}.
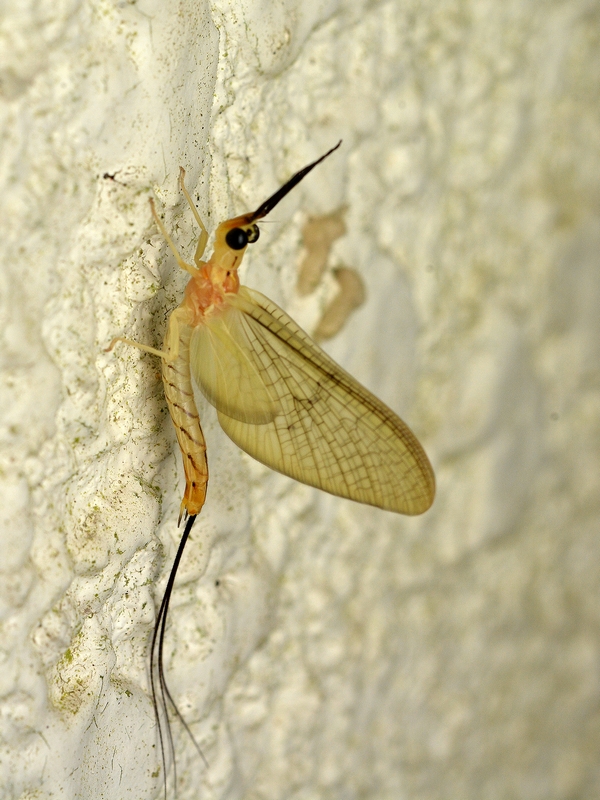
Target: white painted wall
{"points": [[345, 652]]}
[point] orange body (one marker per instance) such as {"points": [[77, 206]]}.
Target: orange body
{"points": [[205, 293]]}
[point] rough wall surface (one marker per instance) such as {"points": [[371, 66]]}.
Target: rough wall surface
{"points": [[318, 649]]}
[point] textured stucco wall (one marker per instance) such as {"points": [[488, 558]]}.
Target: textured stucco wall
{"points": [[318, 649]]}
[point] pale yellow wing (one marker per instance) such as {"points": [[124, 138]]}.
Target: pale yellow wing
{"points": [[228, 369], [328, 431]]}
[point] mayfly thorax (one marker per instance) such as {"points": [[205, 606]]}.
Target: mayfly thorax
{"points": [[278, 396]]}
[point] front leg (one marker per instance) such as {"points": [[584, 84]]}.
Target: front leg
{"points": [[203, 232], [183, 264]]}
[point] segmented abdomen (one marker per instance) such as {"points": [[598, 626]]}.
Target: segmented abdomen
{"points": [[180, 399]]}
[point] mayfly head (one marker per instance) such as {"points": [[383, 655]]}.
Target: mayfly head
{"points": [[238, 237], [231, 239], [237, 233]]}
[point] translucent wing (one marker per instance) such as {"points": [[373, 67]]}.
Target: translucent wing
{"points": [[326, 429], [226, 368]]}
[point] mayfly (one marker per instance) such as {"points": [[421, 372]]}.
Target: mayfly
{"points": [[278, 396]]}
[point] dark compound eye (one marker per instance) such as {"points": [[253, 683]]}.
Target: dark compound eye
{"points": [[253, 234], [237, 238]]}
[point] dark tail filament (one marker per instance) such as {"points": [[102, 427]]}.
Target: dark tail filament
{"points": [[162, 698]]}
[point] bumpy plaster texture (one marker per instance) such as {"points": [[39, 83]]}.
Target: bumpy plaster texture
{"points": [[318, 649]]}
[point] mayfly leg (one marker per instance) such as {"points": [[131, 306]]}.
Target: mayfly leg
{"points": [[202, 241], [182, 263], [171, 352], [143, 347]]}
